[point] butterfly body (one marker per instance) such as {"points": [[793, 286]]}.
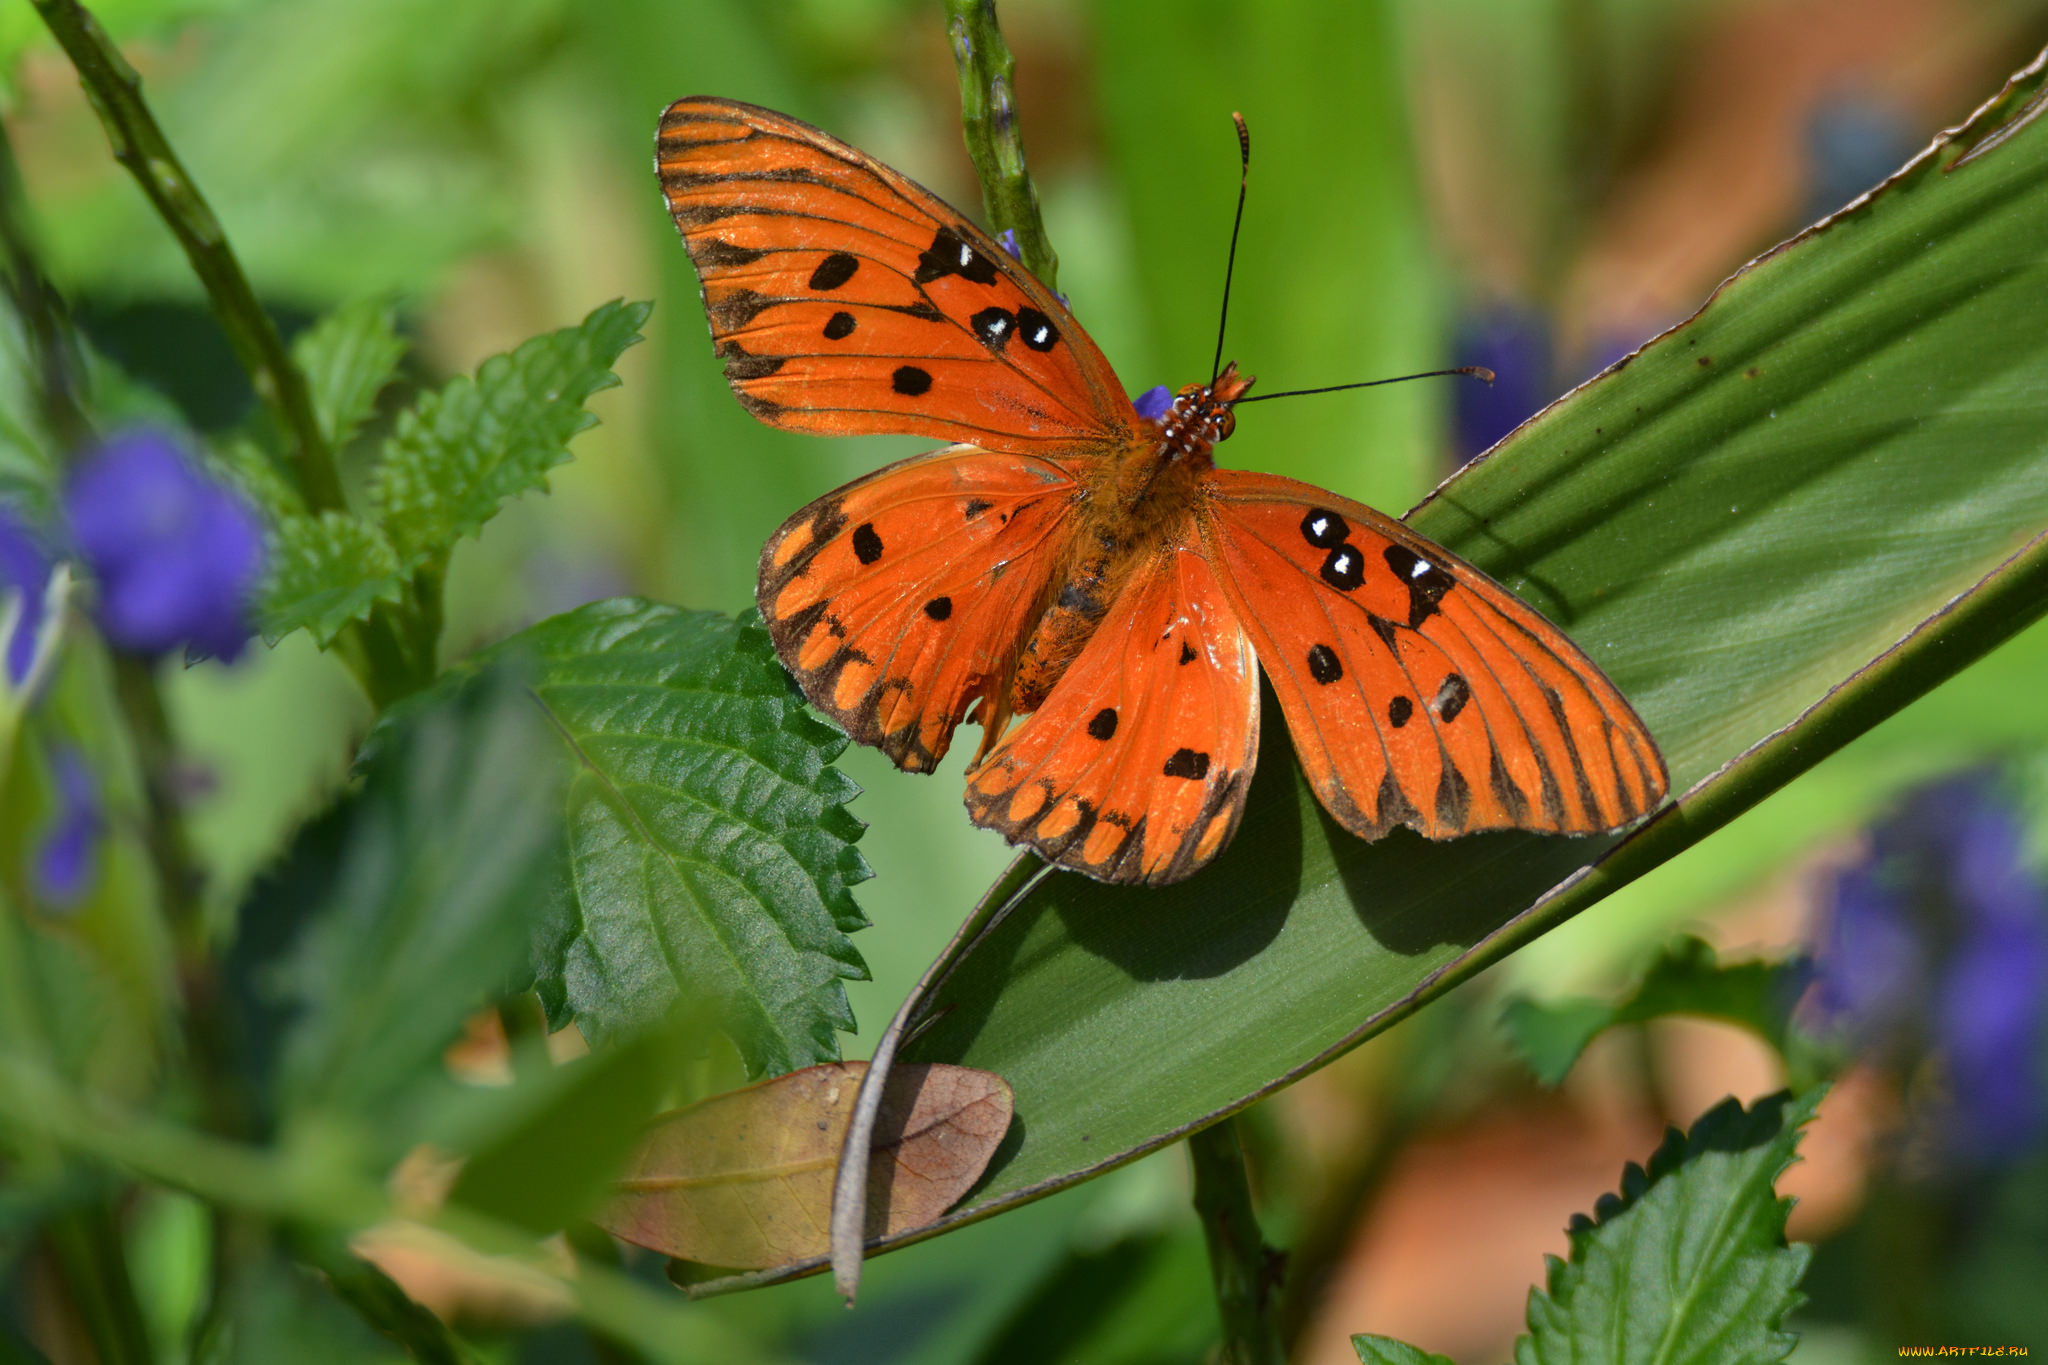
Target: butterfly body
{"points": [[1079, 577]]}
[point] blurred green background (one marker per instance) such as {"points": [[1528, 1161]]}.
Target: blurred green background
{"points": [[1537, 185]]}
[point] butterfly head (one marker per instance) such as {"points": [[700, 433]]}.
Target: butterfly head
{"points": [[1201, 416]]}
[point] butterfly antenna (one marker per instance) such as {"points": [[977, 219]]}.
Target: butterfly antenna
{"points": [[1476, 371], [1244, 156]]}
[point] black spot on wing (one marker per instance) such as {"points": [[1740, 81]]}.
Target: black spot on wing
{"points": [[1453, 798], [1187, 763], [1398, 711], [731, 312], [974, 507], [950, 255], [994, 327], [1588, 800], [715, 253], [1324, 665], [834, 271], [867, 546], [741, 364], [839, 327], [1104, 723], [1036, 329], [1426, 583], [911, 381], [1324, 530], [1506, 792], [1395, 807], [939, 608], [1344, 568], [1451, 696], [1187, 652]]}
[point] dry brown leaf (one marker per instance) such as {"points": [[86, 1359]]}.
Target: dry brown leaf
{"points": [[744, 1179]]}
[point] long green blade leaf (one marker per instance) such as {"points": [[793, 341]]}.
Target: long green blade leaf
{"points": [[1773, 526]]}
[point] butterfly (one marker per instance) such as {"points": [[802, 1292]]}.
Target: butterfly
{"points": [[1076, 574]]}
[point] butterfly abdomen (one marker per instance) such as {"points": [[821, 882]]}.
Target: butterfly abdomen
{"points": [[1124, 523]]}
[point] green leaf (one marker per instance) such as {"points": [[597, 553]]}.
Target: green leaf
{"points": [[404, 908], [325, 572], [1374, 1350], [465, 449], [1685, 979], [1689, 1265], [348, 357], [712, 859], [281, 1312], [1772, 527]]}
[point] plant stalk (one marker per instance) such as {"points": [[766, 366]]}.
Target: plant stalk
{"points": [[139, 144], [45, 322], [995, 142], [1245, 1271]]}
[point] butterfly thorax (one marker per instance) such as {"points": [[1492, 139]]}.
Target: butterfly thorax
{"points": [[1132, 515]]}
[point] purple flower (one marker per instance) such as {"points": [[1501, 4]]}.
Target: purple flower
{"points": [[176, 554], [1938, 941], [24, 573], [1153, 403], [1008, 239], [64, 861], [1870, 956]]}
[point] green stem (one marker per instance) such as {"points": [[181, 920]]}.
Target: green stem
{"points": [[208, 1036], [170, 848], [1243, 1268], [988, 116], [44, 319], [87, 1245], [139, 144]]}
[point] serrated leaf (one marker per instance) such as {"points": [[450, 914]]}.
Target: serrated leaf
{"points": [[1374, 1350], [1685, 978], [1689, 1264], [465, 449], [348, 357], [237, 458], [405, 907], [744, 1179], [325, 572], [711, 857]]}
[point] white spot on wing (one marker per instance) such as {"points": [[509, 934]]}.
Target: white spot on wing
{"points": [[1422, 566]]}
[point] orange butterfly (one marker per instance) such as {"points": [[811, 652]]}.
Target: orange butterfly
{"points": [[1085, 565]]}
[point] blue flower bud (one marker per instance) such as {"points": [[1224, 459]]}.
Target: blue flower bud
{"points": [[24, 573], [176, 554], [67, 858], [1153, 403]]}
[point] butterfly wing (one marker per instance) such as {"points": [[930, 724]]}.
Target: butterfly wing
{"points": [[1418, 690], [901, 598], [845, 298], [1135, 768]]}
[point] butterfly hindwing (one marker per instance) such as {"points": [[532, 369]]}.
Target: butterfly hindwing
{"points": [[845, 298], [902, 597], [1418, 690], [1135, 768]]}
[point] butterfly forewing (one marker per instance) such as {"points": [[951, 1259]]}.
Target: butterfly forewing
{"points": [[902, 597], [1135, 767], [1419, 691], [845, 298]]}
